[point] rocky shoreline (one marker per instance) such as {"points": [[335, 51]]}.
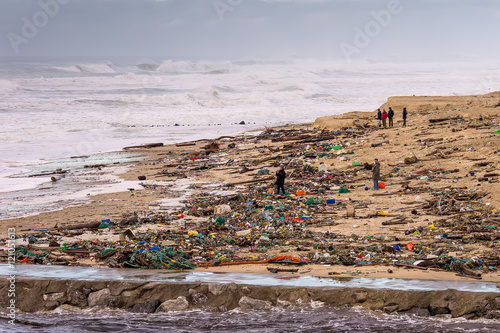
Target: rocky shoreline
{"points": [[149, 297]]}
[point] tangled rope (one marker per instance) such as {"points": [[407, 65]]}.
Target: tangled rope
{"points": [[275, 258]]}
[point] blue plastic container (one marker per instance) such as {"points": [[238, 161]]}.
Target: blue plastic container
{"points": [[330, 201]]}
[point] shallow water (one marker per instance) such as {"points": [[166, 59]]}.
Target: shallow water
{"points": [[297, 280], [305, 320]]}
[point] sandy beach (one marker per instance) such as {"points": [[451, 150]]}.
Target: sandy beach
{"points": [[210, 200]]}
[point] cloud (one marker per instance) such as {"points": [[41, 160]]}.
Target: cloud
{"points": [[249, 27]]}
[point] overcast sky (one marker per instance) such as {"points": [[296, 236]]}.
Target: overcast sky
{"points": [[255, 28]]}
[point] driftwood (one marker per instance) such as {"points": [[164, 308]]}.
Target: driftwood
{"points": [[439, 120], [397, 221], [185, 144], [470, 276], [252, 181], [82, 225], [411, 266], [148, 145], [278, 270], [378, 144]]}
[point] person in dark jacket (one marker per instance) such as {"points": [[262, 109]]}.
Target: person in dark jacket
{"points": [[375, 174], [390, 115], [280, 180], [379, 118], [405, 113]]}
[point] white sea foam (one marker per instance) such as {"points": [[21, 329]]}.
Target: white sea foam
{"points": [[63, 108]]}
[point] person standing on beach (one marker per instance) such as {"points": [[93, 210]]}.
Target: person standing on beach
{"points": [[376, 174], [390, 115], [280, 180], [384, 118], [405, 113], [379, 118]]}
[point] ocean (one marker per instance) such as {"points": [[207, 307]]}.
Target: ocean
{"points": [[52, 109], [307, 319]]}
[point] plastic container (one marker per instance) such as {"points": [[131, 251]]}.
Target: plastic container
{"points": [[330, 201], [355, 163], [381, 185], [410, 246], [337, 147], [323, 168], [497, 131]]}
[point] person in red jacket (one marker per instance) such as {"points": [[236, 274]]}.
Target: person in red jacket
{"points": [[384, 118]]}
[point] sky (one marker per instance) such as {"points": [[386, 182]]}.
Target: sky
{"points": [[348, 29]]}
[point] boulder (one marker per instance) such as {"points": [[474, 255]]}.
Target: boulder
{"points": [[103, 298], [437, 310], [496, 303], [390, 308], [249, 303], [199, 298], [217, 288], [360, 296], [178, 304], [77, 297], [492, 314]]}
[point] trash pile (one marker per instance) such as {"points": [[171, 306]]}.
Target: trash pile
{"points": [[327, 198]]}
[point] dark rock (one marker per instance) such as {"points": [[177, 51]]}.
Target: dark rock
{"points": [[242, 122], [436, 310], [148, 307], [77, 298], [470, 316], [420, 312], [51, 305], [141, 177], [246, 290], [199, 298], [390, 308], [496, 303], [360, 296], [492, 314]]}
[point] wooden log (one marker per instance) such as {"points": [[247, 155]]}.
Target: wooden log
{"points": [[148, 145], [185, 144], [394, 222], [82, 225], [252, 181], [439, 120], [470, 276], [411, 266], [378, 144]]}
